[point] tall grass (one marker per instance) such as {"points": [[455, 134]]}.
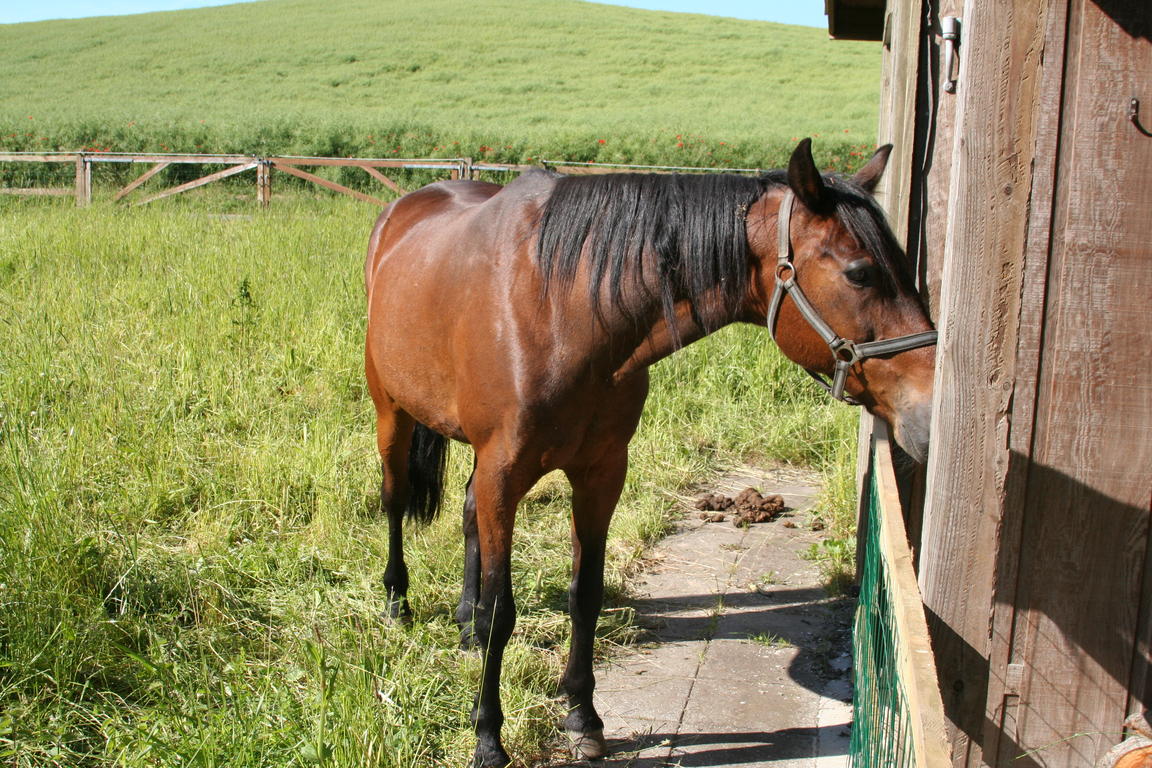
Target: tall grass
{"points": [[190, 552]]}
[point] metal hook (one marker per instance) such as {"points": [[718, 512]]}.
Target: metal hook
{"points": [[950, 29], [1134, 116]]}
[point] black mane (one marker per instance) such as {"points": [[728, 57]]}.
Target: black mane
{"points": [[694, 228]]}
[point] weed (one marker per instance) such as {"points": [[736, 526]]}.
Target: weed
{"points": [[770, 640], [770, 579], [837, 561]]}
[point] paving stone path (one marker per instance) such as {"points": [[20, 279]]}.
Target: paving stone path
{"points": [[747, 661]]}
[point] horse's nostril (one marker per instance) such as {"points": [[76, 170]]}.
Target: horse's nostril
{"points": [[913, 430]]}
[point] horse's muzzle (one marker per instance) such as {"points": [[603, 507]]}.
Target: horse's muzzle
{"points": [[912, 429]]}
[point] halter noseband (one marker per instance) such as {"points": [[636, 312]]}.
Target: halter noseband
{"points": [[846, 352]]}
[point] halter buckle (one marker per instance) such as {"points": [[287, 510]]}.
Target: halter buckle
{"points": [[845, 351]]}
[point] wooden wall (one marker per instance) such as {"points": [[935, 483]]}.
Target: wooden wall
{"points": [[1028, 196]]}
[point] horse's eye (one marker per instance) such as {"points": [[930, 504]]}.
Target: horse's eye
{"points": [[861, 273]]}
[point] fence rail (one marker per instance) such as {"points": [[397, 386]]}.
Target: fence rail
{"points": [[292, 165], [898, 714]]}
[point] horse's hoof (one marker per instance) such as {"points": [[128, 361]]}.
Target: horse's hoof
{"points": [[587, 745], [398, 614], [490, 758]]}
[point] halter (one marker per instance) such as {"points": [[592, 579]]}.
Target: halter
{"points": [[846, 352]]}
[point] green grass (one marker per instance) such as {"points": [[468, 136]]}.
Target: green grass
{"points": [[190, 553], [511, 80], [770, 640]]}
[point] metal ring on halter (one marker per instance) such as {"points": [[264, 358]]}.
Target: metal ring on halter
{"points": [[840, 346]]}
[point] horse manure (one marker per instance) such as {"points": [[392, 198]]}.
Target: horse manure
{"points": [[714, 501], [750, 506]]}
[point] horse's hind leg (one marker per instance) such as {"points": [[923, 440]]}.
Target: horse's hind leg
{"points": [[393, 438], [595, 491], [470, 594]]}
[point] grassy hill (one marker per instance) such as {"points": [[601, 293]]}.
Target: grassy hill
{"points": [[503, 79]]}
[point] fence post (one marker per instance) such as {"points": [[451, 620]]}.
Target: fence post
{"points": [[466, 168], [83, 181], [264, 182]]}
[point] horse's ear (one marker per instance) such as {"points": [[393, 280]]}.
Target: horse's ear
{"points": [[870, 174], [804, 178]]}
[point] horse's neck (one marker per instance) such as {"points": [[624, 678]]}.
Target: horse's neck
{"points": [[660, 341]]}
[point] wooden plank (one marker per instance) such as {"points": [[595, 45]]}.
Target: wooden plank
{"points": [[294, 171], [917, 668], [898, 109], [997, 107], [385, 180], [109, 157], [139, 180], [1081, 609], [39, 191], [264, 183], [199, 182], [1006, 671], [83, 182], [360, 162], [589, 169], [33, 157]]}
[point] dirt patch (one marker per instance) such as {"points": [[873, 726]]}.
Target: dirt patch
{"points": [[749, 506]]}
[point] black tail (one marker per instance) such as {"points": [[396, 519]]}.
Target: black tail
{"points": [[427, 460]]}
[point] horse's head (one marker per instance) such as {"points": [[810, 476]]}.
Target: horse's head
{"points": [[838, 294]]}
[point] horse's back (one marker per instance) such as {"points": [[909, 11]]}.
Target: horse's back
{"points": [[448, 218], [441, 201]]}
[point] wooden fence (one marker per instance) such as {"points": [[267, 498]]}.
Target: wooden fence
{"points": [[455, 168]]}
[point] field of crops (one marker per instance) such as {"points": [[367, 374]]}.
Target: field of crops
{"points": [[508, 80], [190, 553]]}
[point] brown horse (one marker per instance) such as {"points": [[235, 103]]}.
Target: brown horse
{"points": [[522, 320]]}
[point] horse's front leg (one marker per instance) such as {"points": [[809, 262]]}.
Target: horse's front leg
{"points": [[595, 490], [496, 495]]}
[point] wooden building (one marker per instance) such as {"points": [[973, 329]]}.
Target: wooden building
{"points": [[1025, 193]]}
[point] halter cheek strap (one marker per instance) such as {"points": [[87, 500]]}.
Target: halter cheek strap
{"points": [[845, 351]]}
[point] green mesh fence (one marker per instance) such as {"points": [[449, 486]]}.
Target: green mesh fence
{"points": [[881, 721]]}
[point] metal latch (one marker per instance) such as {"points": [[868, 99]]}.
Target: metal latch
{"points": [[950, 27]]}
